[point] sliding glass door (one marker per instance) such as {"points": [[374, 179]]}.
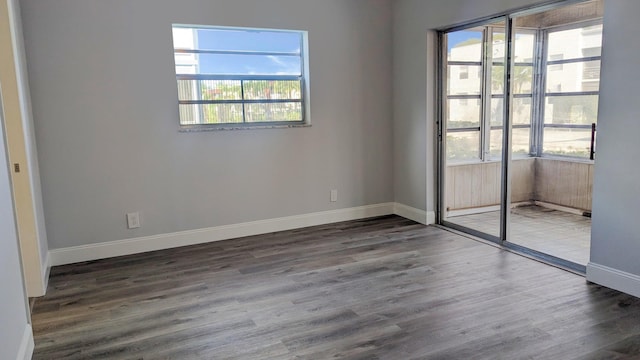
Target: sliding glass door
{"points": [[472, 112], [517, 129]]}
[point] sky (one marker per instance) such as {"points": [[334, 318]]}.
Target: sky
{"points": [[230, 40], [457, 37]]}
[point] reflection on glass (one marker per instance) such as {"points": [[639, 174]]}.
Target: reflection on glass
{"points": [[567, 142], [495, 144], [521, 111], [463, 146], [522, 77], [579, 109], [497, 79], [519, 143], [465, 45], [497, 111], [463, 113], [524, 47], [498, 46], [578, 76], [464, 79]]}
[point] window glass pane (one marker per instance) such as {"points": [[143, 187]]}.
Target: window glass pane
{"points": [[465, 45], [581, 109], [568, 142], [463, 146], [272, 89], [522, 78], [519, 142], [498, 46], [464, 79], [495, 144], [463, 113], [497, 111], [260, 112], [236, 40], [574, 77], [193, 114], [524, 47], [233, 64], [209, 90], [521, 111], [497, 79], [569, 44]]}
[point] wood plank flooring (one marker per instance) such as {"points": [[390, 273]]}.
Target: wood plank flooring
{"points": [[383, 288], [558, 233]]}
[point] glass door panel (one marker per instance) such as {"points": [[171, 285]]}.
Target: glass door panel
{"points": [[551, 183], [472, 128]]}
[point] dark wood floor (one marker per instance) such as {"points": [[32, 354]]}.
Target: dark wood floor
{"points": [[383, 288]]}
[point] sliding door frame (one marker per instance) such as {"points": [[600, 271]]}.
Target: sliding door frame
{"points": [[441, 130]]}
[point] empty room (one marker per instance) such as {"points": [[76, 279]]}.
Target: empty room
{"points": [[304, 179]]}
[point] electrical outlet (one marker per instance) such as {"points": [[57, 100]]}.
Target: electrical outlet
{"points": [[334, 195], [133, 220]]}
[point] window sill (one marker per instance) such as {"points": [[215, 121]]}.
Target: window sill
{"points": [[201, 128], [543, 157]]}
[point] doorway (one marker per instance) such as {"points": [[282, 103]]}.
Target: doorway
{"points": [[518, 126]]}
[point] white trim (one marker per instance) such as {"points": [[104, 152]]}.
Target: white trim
{"points": [[25, 351], [614, 279], [562, 208], [191, 237], [472, 211], [489, 208], [417, 215], [46, 270]]}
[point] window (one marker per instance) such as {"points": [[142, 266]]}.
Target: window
{"points": [[571, 95], [237, 77], [555, 78], [474, 128]]}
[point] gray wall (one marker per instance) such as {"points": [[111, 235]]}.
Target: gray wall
{"points": [[615, 237], [104, 102], [13, 312], [414, 80]]}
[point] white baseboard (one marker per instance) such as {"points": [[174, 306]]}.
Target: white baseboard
{"points": [[26, 345], [485, 209], [614, 279], [560, 208], [123, 247], [191, 237], [417, 215]]}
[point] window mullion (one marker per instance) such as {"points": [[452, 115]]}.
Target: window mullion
{"points": [[485, 120], [537, 118], [244, 107]]}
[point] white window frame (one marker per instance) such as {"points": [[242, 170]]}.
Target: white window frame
{"points": [[303, 78]]}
